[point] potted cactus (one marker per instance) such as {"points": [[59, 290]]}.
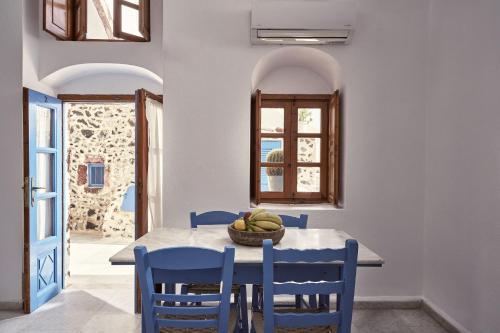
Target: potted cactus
{"points": [[275, 174]]}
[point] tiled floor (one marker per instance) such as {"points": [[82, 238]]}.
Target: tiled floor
{"points": [[101, 304]]}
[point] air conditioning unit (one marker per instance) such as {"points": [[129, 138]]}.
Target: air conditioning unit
{"points": [[302, 22]]}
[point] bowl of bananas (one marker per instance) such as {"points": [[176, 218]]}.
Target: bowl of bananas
{"points": [[256, 226]]}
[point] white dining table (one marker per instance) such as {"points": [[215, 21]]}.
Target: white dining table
{"points": [[248, 260], [216, 237]]}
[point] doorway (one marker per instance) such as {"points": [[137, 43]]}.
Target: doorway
{"points": [[107, 173], [99, 150]]}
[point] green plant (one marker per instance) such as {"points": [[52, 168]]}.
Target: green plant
{"points": [[275, 156]]}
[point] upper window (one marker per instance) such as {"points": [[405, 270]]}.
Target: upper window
{"points": [[96, 175], [98, 20], [295, 147]]}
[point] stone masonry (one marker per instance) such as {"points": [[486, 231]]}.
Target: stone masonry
{"points": [[101, 133]]}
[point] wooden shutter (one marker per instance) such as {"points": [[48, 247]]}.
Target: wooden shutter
{"points": [[58, 18], [256, 145], [143, 24], [334, 149], [80, 19]]}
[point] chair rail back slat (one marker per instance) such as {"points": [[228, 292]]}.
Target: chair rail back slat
{"points": [[184, 258], [187, 298], [310, 256], [309, 288], [186, 310]]}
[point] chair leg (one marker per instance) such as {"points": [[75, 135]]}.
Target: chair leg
{"points": [[298, 301], [244, 308], [313, 302], [255, 297], [184, 291]]}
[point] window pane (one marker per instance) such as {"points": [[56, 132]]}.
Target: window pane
{"points": [[308, 179], [271, 179], [130, 21], [309, 120], [100, 19], [45, 218], [309, 150], [271, 150], [272, 120], [135, 2], [43, 127], [44, 172]]}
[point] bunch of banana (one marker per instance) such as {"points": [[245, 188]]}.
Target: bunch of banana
{"points": [[259, 220]]}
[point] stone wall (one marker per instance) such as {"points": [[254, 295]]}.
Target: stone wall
{"points": [[101, 133]]}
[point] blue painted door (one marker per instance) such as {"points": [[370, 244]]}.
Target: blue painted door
{"points": [[43, 186]]}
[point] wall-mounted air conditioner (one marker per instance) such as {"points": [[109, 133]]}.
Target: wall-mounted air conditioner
{"points": [[302, 22]]}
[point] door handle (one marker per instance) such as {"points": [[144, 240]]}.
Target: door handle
{"points": [[33, 191]]}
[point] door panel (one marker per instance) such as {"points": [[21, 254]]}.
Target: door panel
{"points": [[43, 198]]}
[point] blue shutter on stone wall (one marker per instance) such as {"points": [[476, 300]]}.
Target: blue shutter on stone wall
{"points": [[96, 175]]}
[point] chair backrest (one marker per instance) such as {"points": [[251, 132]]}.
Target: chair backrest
{"points": [[292, 221], [212, 218], [190, 265], [295, 222], [343, 286]]}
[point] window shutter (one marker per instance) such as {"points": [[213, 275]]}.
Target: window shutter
{"points": [[80, 14], [58, 18], [256, 145], [334, 149], [123, 29]]}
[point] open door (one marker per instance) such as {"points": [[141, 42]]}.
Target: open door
{"points": [[42, 131], [148, 172]]}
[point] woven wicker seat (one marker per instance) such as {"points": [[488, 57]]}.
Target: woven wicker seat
{"points": [[232, 323], [258, 323], [210, 288]]}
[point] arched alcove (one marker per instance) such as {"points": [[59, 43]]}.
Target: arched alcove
{"points": [[103, 78], [318, 70]]}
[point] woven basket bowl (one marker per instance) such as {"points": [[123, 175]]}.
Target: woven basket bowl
{"points": [[255, 238]]}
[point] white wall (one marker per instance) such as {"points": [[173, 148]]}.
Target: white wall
{"points": [[208, 67], [462, 222], [294, 80], [109, 84], [11, 147], [55, 54], [31, 53]]}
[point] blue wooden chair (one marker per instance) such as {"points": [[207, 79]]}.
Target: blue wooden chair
{"points": [[184, 264], [316, 320], [215, 217], [239, 291], [289, 222]]}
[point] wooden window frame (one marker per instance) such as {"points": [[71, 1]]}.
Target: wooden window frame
{"points": [[144, 20], [291, 103], [76, 21]]}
